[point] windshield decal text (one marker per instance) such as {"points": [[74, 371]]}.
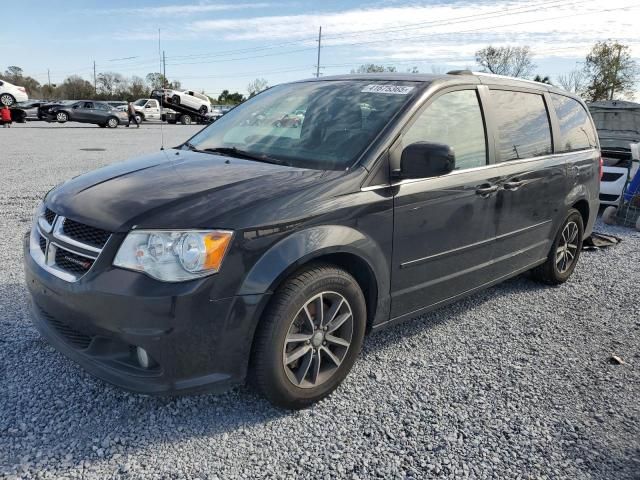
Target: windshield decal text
{"points": [[392, 89]]}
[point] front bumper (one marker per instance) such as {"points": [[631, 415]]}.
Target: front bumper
{"points": [[198, 343]]}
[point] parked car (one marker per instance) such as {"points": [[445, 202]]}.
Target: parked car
{"points": [[290, 120], [188, 98], [88, 111], [30, 108], [249, 252], [43, 109], [618, 126], [10, 94], [18, 115]]}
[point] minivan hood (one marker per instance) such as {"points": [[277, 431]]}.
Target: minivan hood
{"points": [[175, 189]]}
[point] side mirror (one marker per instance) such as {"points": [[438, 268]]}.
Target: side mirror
{"points": [[425, 159]]}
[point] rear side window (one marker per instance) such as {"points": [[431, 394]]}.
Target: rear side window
{"points": [[576, 132], [454, 119], [523, 125]]}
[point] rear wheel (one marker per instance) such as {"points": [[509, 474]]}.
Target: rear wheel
{"points": [[310, 336], [7, 99], [175, 99], [203, 110], [564, 253], [112, 122], [186, 119]]}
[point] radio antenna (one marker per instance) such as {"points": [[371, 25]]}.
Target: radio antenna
{"points": [[162, 94]]}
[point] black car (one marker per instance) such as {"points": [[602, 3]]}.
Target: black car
{"points": [[88, 111], [266, 253]]}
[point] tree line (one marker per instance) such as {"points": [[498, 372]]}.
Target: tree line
{"points": [[108, 86], [608, 72]]}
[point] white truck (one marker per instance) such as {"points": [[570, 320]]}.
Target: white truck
{"points": [[147, 109]]}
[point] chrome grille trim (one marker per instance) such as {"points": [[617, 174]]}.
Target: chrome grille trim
{"points": [[56, 240]]}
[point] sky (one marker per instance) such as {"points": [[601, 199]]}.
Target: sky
{"points": [[225, 44]]}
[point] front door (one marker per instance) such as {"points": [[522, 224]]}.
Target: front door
{"points": [[444, 227]]}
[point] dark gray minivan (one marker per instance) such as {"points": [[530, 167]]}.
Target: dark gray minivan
{"points": [[265, 251]]}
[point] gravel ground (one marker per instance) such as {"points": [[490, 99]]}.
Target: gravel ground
{"points": [[515, 382]]}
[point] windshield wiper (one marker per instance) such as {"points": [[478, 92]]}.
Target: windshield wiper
{"points": [[236, 152]]}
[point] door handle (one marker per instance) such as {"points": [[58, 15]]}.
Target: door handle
{"points": [[485, 190], [514, 185]]}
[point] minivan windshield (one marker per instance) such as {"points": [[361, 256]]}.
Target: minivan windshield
{"points": [[322, 125]]}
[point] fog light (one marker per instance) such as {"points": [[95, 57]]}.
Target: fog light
{"points": [[143, 357]]}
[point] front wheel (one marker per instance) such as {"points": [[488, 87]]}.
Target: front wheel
{"points": [[112, 122], [62, 117], [203, 110], [310, 336], [565, 251]]}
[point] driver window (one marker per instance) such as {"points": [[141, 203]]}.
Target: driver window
{"points": [[88, 105], [454, 119]]}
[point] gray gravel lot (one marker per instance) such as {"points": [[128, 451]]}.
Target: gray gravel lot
{"points": [[515, 382]]}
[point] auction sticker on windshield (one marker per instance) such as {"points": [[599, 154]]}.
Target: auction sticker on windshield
{"points": [[393, 89]]}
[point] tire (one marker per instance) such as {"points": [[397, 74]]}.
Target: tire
{"points": [[139, 118], [203, 110], [609, 215], [62, 117], [186, 119], [7, 99], [565, 251], [292, 314], [175, 100], [113, 122]]}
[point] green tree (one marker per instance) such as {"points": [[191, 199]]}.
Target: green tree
{"points": [[610, 71], [510, 61], [546, 79], [75, 88], [227, 98]]}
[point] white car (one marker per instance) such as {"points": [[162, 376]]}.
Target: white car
{"points": [[188, 98], [10, 94]]}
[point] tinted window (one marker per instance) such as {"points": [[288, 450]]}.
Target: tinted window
{"points": [[523, 124], [576, 132], [341, 118], [454, 119], [88, 105]]}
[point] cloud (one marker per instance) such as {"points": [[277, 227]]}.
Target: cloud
{"points": [[183, 10], [442, 31]]}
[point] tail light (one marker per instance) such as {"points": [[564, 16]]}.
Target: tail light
{"points": [[601, 163]]}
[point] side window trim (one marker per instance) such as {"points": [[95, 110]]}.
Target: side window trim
{"points": [[395, 148]]}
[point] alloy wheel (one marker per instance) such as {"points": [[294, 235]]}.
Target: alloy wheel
{"points": [[113, 123], [61, 117], [6, 99], [318, 340], [567, 247]]}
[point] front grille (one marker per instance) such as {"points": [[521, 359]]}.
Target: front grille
{"points": [[43, 244], [611, 176], [608, 198], [72, 263], [96, 237], [73, 336], [49, 216]]}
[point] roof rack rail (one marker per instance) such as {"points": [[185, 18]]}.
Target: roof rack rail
{"points": [[459, 72]]}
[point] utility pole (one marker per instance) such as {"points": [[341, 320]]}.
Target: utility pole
{"points": [[49, 78], [164, 68], [319, 45], [95, 85]]}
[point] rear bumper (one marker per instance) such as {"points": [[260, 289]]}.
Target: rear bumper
{"points": [[612, 184], [198, 344]]}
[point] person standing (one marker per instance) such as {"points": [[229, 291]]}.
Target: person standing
{"points": [[132, 115], [5, 116]]}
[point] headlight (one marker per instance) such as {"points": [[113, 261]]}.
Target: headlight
{"points": [[174, 256]]}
